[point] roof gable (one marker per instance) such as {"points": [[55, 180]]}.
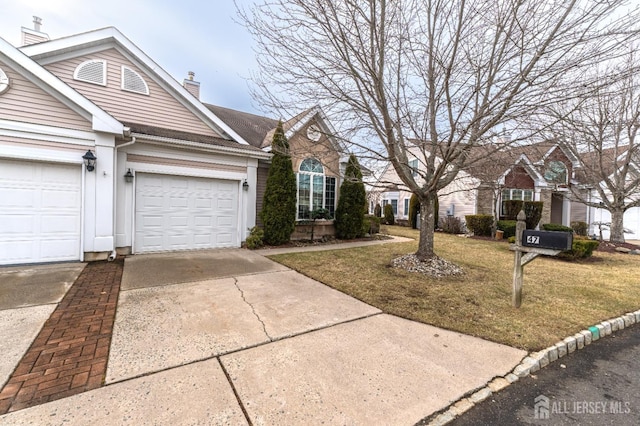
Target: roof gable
{"points": [[98, 40], [100, 120]]}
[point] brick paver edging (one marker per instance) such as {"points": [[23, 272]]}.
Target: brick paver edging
{"points": [[69, 355], [534, 362]]}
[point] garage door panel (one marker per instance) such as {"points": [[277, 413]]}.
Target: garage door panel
{"points": [[225, 204], [18, 197], [176, 221], [17, 251], [61, 199], [203, 203], [224, 221], [203, 221], [53, 173], [40, 212], [150, 201], [53, 249], [190, 210], [224, 239], [58, 225], [149, 221], [17, 224]]}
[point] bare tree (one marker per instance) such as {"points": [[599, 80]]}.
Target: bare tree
{"points": [[601, 130], [432, 77]]}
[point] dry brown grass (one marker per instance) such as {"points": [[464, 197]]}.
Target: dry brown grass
{"points": [[559, 298]]}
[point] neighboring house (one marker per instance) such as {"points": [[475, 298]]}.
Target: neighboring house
{"points": [[171, 173], [539, 172], [318, 158]]}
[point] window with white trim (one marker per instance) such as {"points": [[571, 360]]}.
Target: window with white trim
{"points": [[515, 194], [413, 164], [394, 205], [406, 207], [131, 81], [92, 71], [315, 190]]}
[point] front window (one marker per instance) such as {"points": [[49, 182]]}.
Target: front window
{"points": [[515, 194], [413, 164], [556, 172], [315, 190], [406, 207]]}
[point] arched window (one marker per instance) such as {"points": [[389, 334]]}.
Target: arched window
{"points": [[315, 190], [556, 172]]}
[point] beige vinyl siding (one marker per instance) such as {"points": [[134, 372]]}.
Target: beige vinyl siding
{"points": [[159, 108], [25, 102], [578, 212], [136, 158], [28, 38]]}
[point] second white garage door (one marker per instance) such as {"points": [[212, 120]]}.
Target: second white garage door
{"points": [[184, 213]]}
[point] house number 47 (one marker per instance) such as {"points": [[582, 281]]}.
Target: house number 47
{"points": [[533, 239]]}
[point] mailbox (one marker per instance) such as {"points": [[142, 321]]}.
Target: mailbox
{"points": [[555, 240]]}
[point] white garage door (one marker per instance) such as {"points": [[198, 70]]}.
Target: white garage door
{"points": [[184, 213], [40, 207], [631, 222]]}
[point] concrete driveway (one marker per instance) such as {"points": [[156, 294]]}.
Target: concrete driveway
{"points": [[228, 336], [28, 295]]}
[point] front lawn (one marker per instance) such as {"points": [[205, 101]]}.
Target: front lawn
{"points": [[559, 298]]}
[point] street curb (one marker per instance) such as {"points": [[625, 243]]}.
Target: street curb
{"points": [[533, 362]]}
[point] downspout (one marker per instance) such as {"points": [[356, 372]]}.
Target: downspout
{"points": [[126, 132]]}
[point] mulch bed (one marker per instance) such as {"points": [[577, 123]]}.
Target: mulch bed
{"points": [[324, 241]]}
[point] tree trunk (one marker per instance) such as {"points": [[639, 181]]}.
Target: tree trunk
{"points": [[427, 226], [617, 226]]}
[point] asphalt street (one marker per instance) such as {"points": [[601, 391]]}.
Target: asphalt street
{"points": [[598, 385]]}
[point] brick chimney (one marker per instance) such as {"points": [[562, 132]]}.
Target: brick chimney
{"points": [[35, 35], [191, 85]]}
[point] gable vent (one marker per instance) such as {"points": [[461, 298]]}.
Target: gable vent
{"points": [[93, 71], [133, 82]]}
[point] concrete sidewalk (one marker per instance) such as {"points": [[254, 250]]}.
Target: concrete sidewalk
{"points": [[242, 339]]}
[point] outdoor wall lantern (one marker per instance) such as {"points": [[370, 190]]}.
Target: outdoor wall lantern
{"points": [[245, 185], [90, 161], [128, 177]]}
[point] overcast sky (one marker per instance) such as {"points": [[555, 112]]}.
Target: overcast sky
{"points": [[180, 36]]}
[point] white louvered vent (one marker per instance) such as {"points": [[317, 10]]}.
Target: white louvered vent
{"points": [[133, 82], [92, 71]]}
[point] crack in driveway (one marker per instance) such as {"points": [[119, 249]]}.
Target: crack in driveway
{"points": [[264, 327]]}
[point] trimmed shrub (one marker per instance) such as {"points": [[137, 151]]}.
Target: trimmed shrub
{"points": [[389, 218], [279, 207], [533, 211], [508, 227], [452, 225], [512, 208], [556, 227], [352, 203], [371, 224], [255, 238], [377, 210], [581, 248], [580, 228], [414, 209], [479, 224]]}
